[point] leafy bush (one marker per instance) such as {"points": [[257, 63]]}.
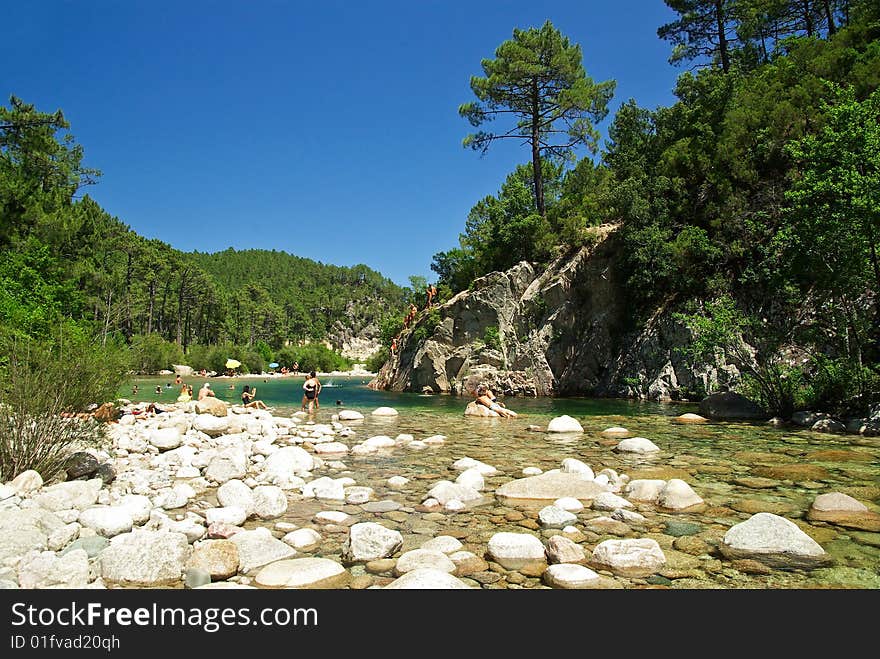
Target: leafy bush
{"points": [[839, 386], [313, 357], [492, 338], [377, 359], [151, 353], [42, 380], [427, 326]]}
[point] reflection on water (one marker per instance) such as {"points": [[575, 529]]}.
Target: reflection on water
{"points": [[737, 468]]}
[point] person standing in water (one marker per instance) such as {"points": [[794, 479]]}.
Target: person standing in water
{"points": [[311, 390]]}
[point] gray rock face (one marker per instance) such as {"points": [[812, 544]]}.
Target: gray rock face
{"points": [[287, 463], [575, 466], [24, 530], [564, 423], [229, 464], [211, 425], [235, 493], [368, 541], [145, 558], [107, 521], [270, 501], [555, 517], [774, 541], [636, 445], [551, 486], [443, 543], [427, 579], [828, 425], [165, 439], [610, 501], [729, 405], [562, 550], [678, 495], [27, 481], [562, 331], [302, 539], [647, 490]]}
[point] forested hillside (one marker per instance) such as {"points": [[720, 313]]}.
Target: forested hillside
{"points": [[275, 295], [68, 268]]}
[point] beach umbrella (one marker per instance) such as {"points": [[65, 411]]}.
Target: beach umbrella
{"points": [[232, 363], [273, 365]]}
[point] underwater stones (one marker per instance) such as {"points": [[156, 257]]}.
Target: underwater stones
{"points": [[552, 486], [843, 510]]}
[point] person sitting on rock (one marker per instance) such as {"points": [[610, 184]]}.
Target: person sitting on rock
{"points": [[248, 400], [487, 398]]}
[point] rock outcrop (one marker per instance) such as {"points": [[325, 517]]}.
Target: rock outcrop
{"points": [[561, 331]]}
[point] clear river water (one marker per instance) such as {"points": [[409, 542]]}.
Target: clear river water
{"points": [[738, 468]]}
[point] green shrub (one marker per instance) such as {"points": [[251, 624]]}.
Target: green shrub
{"points": [[151, 353], [427, 325], [42, 380], [492, 338], [839, 386], [377, 360]]}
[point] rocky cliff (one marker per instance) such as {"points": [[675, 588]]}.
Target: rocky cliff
{"points": [[562, 331], [357, 337]]}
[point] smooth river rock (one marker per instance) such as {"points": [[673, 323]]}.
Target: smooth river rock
{"points": [[368, 541], [638, 557], [552, 486], [843, 510], [774, 541], [514, 551], [564, 423], [145, 558], [303, 573], [429, 579]]}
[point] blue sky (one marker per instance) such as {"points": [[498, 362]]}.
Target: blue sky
{"points": [[329, 130]]}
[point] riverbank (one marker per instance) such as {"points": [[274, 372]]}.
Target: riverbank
{"points": [[217, 496]]}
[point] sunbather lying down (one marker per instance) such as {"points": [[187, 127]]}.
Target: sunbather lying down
{"points": [[487, 398]]}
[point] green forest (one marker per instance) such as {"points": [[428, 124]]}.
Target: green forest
{"points": [[752, 204], [70, 271]]}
